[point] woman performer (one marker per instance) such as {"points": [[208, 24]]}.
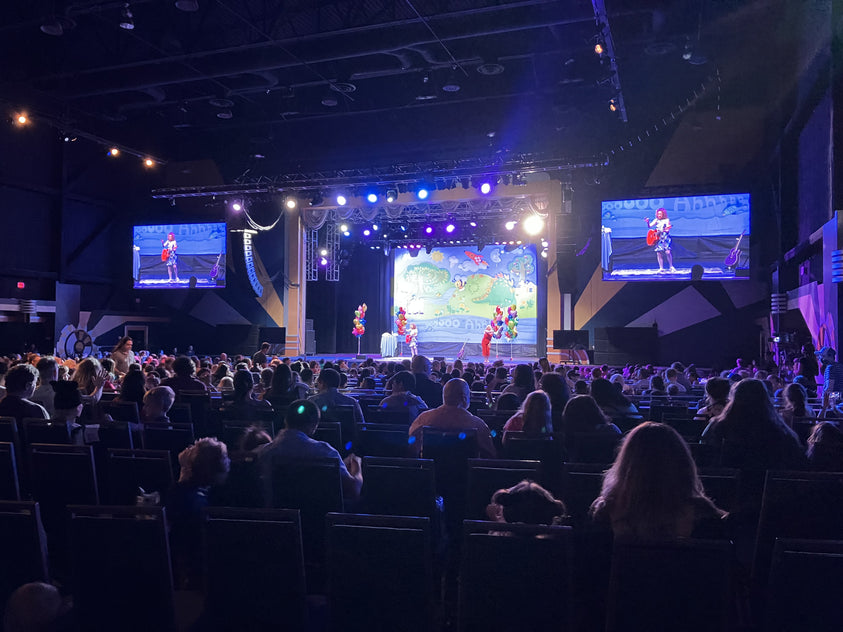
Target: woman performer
{"points": [[172, 258], [662, 226]]}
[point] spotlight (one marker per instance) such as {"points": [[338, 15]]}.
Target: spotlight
{"points": [[473, 224], [126, 18], [428, 229], [372, 198], [149, 162], [510, 224], [323, 252], [346, 233], [323, 261], [486, 188], [544, 254], [344, 228], [533, 225], [21, 119], [237, 206], [341, 200], [422, 193], [114, 152], [598, 48], [366, 232], [391, 195], [375, 227], [450, 228], [613, 105], [290, 203]]}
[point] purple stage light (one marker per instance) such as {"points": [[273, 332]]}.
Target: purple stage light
{"points": [[450, 228], [367, 232], [428, 229], [485, 188]]}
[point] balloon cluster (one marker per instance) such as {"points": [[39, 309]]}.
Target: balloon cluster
{"points": [[497, 321], [401, 321], [359, 320], [511, 322]]}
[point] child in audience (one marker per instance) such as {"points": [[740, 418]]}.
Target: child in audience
{"points": [[527, 502]]}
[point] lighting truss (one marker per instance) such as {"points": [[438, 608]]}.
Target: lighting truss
{"points": [[311, 255], [332, 239]]}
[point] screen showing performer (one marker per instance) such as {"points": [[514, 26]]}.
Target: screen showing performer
{"points": [[167, 256], [451, 294], [682, 238]]}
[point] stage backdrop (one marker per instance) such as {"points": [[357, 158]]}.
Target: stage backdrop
{"points": [[451, 295]]}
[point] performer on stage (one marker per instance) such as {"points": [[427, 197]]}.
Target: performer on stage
{"points": [[172, 258], [662, 227], [487, 342], [412, 339]]}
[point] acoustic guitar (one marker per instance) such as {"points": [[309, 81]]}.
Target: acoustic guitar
{"points": [[734, 255], [165, 254], [652, 237]]}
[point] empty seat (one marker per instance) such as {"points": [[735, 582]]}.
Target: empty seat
{"points": [[25, 547], [171, 437], [680, 585], [123, 411], [243, 486], [45, 431], [581, 485], [486, 476], [129, 471], [592, 447], [254, 568], [391, 560], [9, 482], [400, 487], [331, 433], [120, 568], [520, 582]]}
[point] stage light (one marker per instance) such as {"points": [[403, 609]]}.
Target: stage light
{"points": [[372, 198], [114, 152], [375, 227], [391, 195], [341, 200], [613, 105], [598, 48], [422, 194], [323, 252], [544, 243], [533, 225], [21, 285], [450, 228], [149, 162], [127, 21], [473, 224], [366, 232], [346, 233], [428, 229], [323, 261], [510, 224], [544, 254], [21, 119], [403, 228], [344, 228], [290, 203], [236, 206], [486, 188]]}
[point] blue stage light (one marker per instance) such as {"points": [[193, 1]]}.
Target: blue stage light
{"points": [[422, 193], [372, 198]]}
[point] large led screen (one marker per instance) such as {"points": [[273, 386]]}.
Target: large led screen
{"points": [[169, 256], [678, 238]]}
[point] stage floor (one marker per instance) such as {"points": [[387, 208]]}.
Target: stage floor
{"points": [[681, 274], [350, 357]]}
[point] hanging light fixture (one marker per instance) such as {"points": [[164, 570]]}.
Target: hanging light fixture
{"points": [[127, 20]]}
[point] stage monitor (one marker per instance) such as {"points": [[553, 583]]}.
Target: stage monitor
{"points": [[170, 256], [697, 237], [451, 295]]}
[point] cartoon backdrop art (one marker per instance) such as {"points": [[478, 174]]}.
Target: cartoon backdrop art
{"points": [[451, 295]]}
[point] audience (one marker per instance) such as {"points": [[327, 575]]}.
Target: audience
{"points": [[183, 380], [245, 405], [48, 371], [329, 398], [20, 386], [402, 398], [716, 397], [156, 404], [527, 502], [533, 418]]}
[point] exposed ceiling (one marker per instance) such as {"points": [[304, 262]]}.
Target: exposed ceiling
{"points": [[314, 82]]}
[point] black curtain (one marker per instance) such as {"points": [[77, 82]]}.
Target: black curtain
{"points": [[331, 305]]}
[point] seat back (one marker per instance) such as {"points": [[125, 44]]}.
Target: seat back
{"points": [[680, 585], [399, 487], [450, 451], [797, 505], [382, 440], [25, 552], [254, 567], [123, 411], [581, 485], [132, 470], [120, 568], [486, 476], [233, 430], [538, 600], [393, 588], [548, 450], [592, 447], [722, 485], [45, 431], [331, 433], [393, 417], [9, 482], [171, 437], [344, 415], [802, 572], [243, 486]]}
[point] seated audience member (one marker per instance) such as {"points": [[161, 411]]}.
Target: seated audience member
{"points": [[507, 402], [204, 376], [156, 404], [226, 384], [219, 373], [48, 371], [716, 397], [183, 380], [68, 407], [523, 382], [253, 439], [795, 404], [582, 415], [453, 415], [751, 432], [132, 388], [245, 405], [429, 391], [329, 397], [38, 607], [652, 491], [825, 448], [556, 388], [265, 381], [617, 380], [533, 418], [527, 503], [20, 385], [91, 378], [657, 387], [581, 387], [203, 465], [402, 398], [643, 380], [672, 377], [611, 400], [295, 443], [284, 388]]}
